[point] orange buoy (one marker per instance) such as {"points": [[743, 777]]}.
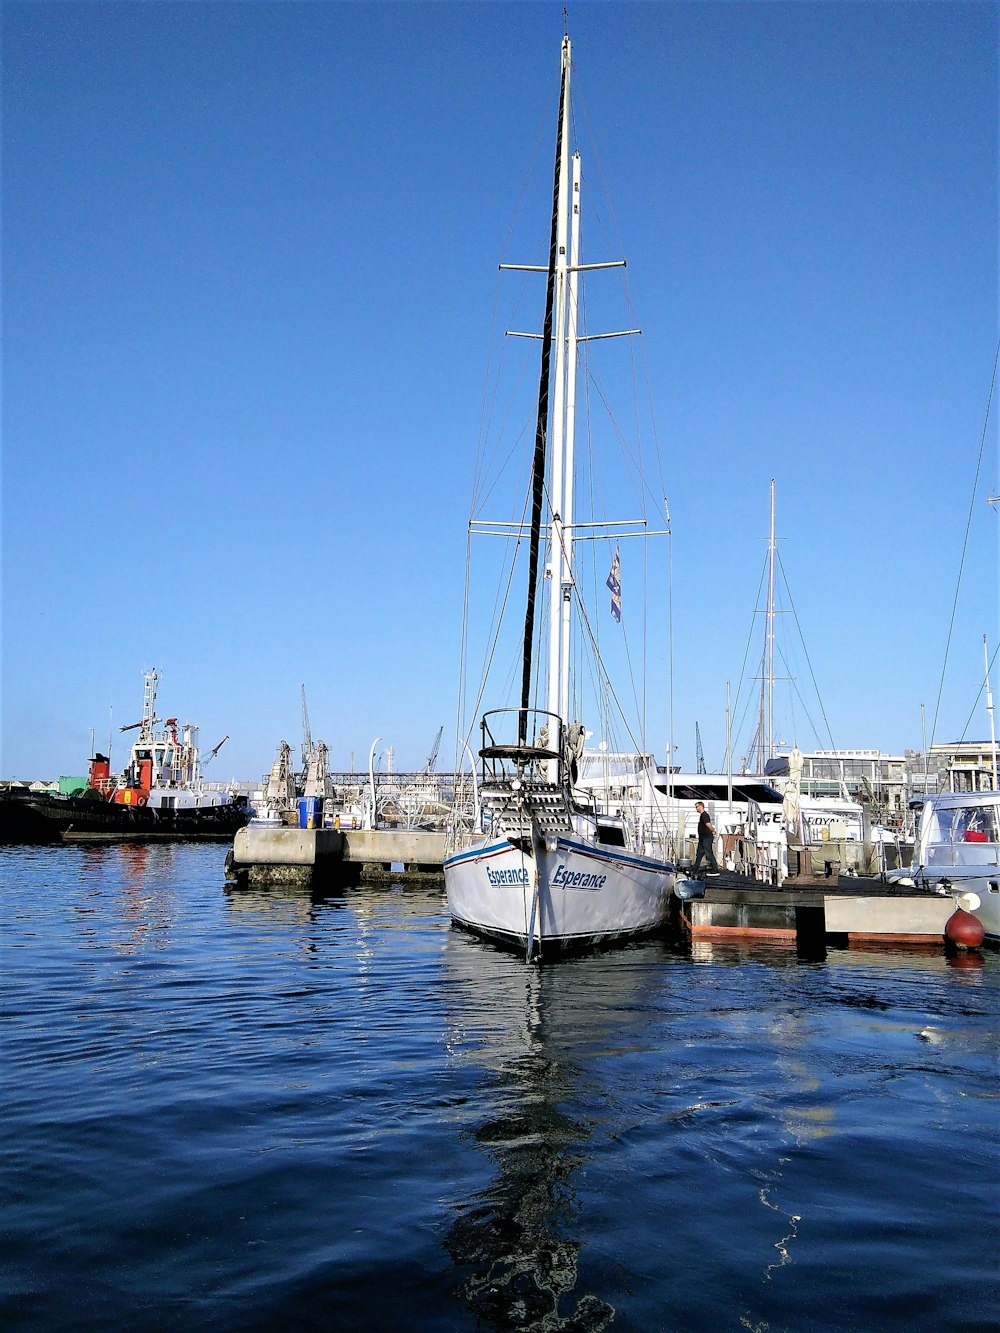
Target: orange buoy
{"points": [[964, 929]]}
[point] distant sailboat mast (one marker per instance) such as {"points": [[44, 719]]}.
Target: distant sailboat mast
{"points": [[765, 725], [770, 634], [989, 709]]}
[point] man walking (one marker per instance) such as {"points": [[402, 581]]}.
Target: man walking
{"points": [[706, 837]]}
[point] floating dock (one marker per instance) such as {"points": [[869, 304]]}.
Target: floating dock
{"points": [[814, 911]]}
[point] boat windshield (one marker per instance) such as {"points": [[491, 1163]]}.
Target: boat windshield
{"points": [[965, 835]]}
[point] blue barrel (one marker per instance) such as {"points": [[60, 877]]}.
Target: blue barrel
{"points": [[310, 812]]}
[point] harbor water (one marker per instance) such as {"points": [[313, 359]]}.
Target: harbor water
{"points": [[246, 1111]]}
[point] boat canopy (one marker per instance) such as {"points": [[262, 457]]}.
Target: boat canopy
{"points": [[960, 834], [708, 789]]}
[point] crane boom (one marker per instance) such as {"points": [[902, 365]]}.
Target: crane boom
{"points": [[699, 752], [432, 757], [213, 753], [307, 744]]}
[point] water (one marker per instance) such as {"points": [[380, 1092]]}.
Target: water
{"points": [[246, 1111]]}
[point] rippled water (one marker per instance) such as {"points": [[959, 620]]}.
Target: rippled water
{"points": [[255, 1110]]}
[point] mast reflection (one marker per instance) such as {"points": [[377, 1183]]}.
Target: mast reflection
{"points": [[544, 1036]]}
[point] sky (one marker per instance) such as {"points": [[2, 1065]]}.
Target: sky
{"points": [[249, 274]]}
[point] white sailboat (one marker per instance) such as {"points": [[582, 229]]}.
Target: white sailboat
{"points": [[545, 866]]}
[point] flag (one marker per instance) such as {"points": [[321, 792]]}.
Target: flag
{"points": [[615, 584]]}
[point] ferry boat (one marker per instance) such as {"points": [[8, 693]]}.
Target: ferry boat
{"points": [[159, 796]]}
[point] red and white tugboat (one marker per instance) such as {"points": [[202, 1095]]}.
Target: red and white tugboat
{"points": [[158, 797]]}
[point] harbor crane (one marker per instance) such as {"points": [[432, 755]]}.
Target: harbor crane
{"points": [[307, 744], [432, 757]]}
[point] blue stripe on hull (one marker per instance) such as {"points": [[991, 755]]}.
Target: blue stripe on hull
{"points": [[477, 853], [596, 852]]}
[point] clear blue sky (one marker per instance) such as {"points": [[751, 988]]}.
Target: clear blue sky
{"points": [[249, 259]]}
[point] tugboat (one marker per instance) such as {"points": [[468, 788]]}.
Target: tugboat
{"points": [[159, 796]]}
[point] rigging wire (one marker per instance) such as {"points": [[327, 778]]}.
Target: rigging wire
{"points": [[812, 674], [965, 542], [635, 470], [797, 694], [982, 689], [746, 655], [496, 621], [618, 245], [486, 458]]}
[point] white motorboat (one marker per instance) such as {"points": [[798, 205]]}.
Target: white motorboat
{"points": [[544, 865], [957, 851]]}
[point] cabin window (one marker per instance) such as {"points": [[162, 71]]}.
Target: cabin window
{"points": [[973, 824], [966, 835], [612, 835]]}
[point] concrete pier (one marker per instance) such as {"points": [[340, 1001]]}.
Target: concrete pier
{"points": [[262, 856], [413, 848]]}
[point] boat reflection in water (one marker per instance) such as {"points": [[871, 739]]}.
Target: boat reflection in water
{"points": [[544, 1039]]}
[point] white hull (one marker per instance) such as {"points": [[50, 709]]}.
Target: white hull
{"points": [[986, 888], [988, 910], [586, 894], [956, 852], [982, 881]]}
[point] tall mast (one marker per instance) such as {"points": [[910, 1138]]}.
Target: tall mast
{"points": [[765, 725], [541, 422], [572, 310], [770, 633], [559, 438]]}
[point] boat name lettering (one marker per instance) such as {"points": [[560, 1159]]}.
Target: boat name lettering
{"points": [[578, 879], [516, 876]]}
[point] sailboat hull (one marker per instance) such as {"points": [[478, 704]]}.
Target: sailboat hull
{"points": [[563, 894]]}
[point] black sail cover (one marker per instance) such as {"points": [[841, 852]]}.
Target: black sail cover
{"points": [[541, 433]]}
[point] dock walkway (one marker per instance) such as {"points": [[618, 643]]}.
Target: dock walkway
{"points": [[813, 909]]}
